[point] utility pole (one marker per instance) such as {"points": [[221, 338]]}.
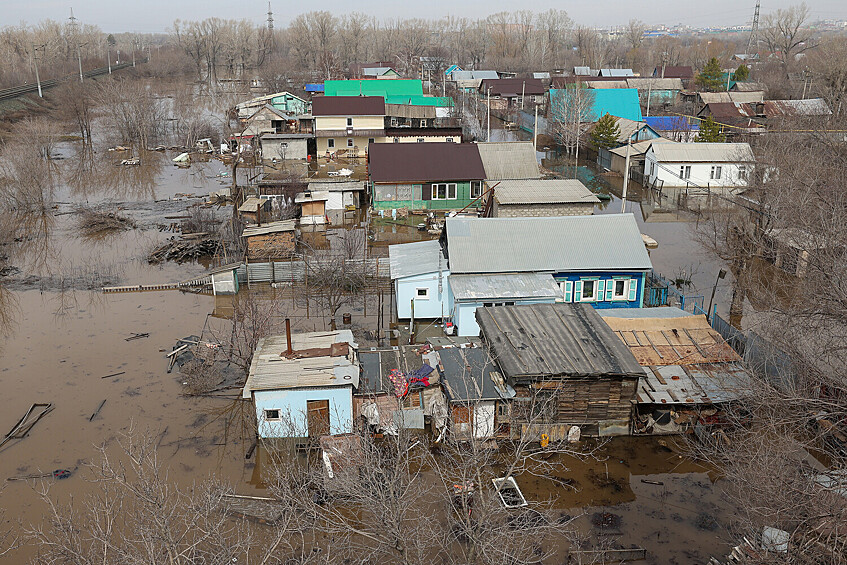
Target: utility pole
{"points": [[489, 114], [79, 59], [109, 58], [625, 175], [754, 31], [664, 62], [523, 92], [650, 92], [35, 58], [535, 130]]}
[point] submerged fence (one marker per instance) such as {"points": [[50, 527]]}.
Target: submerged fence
{"points": [[295, 271]]}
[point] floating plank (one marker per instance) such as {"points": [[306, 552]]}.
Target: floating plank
{"points": [[607, 555], [26, 423]]}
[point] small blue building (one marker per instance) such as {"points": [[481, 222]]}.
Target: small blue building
{"points": [[305, 391], [620, 102], [419, 271]]}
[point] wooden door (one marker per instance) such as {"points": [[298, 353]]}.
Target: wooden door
{"points": [[317, 417]]}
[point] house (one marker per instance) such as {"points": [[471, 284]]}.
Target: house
{"points": [[566, 366], [507, 93], [341, 194], [274, 240], [699, 165], [255, 209], [301, 385], [659, 91], [419, 271], [477, 395], [380, 73], [535, 197], [423, 135], [397, 91], [617, 156], [629, 131], [348, 124], [312, 207], [508, 160], [266, 119], [733, 97], [284, 102], [684, 73], [616, 73], [690, 373], [676, 128], [399, 388], [286, 146], [600, 260], [356, 70], [620, 102], [424, 176], [411, 117]]}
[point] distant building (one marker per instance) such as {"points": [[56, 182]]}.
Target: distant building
{"points": [[348, 124]]}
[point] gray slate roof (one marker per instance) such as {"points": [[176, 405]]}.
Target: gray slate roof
{"points": [[537, 191], [554, 340], [467, 374], [508, 286], [554, 244], [409, 259], [703, 152], [509, 160]]}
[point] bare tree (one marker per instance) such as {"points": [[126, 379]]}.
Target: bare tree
{"points": [[570, 112], [784, 32]]}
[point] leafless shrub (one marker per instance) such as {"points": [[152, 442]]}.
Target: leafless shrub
{"points": [[201, 220], [202, 374], [92, 222]]}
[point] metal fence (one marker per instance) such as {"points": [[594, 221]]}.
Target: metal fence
{"points": [[295, 271], [662, 292]]}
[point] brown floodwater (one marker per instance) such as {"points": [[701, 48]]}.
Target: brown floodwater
{"points": [[58, 340]]}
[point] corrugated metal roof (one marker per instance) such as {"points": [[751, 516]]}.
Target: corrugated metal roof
{"points": [[682, 72], [348, 105], [509, 160], [703, 152], [671, 123], [554, 340], [336, 186], [269, 370], [808, 107], [474, 75], [711, 383], [467, 373], [311, 196], [542, 191], [584, 71], [553, 244], [604, 84], [616, 73], [376, 71], [424, 162], [650, 83], [273, 227], [513, 86], [410, 259], [743, 97], [638, 148], [504, 286], [373, 87]]}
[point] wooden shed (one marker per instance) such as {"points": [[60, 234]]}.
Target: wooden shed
{"points": [[275, 240], [312, 207]]}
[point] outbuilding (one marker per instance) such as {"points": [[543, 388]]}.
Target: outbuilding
{"points": [[536, 197]]}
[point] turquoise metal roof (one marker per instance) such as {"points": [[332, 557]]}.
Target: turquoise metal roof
{"points": [[620, 102]]}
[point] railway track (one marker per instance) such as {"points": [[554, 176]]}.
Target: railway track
{"points": [[17, 91]]}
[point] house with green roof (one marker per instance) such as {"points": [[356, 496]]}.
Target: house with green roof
{"points": [[398, 91]]}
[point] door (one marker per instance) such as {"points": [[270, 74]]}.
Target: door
{"points": [[317, 417]]}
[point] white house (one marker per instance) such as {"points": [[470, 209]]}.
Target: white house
{"points": [[419, 271], [305, 389], [699, 165]]}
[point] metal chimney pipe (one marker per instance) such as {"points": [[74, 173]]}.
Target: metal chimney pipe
{"points": [[288, 335]]}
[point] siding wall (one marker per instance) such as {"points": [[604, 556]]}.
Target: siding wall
{"points": [[700, 173], [464, 314], [436, 306], [418, 197], [292, 406], [638, 301], [295, 149]]}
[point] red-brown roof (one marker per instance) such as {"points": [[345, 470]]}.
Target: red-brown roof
{"points": [[683, 72], [424, 162], [512, 86], [348, 106]]}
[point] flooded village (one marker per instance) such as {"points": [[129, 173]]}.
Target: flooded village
{"points": [[549, 295]]}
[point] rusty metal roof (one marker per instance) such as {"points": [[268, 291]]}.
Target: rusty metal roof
{"points": [[424, 162], [554, 340], [348, 106]]}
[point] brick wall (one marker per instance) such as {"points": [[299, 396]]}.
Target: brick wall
{"points": [[543, 210]]}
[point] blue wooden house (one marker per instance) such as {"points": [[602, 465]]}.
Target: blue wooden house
{"points": [[303, 389]]}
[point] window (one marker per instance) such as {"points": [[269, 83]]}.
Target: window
{"points": [[349, 142], [396, 140], [330, 143], [449, 140], [370, 140], [589, 291], [685, 171], [620, 289], [444, 191], [272, 415], [349, 122], [715, 173], [422, 293], [423, 123], [421, 140], [394, 122], [476, 188], [742, 172]]}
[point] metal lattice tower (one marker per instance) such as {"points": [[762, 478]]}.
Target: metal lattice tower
{"points": [[754, 30], [271, 18], [72, 23]]}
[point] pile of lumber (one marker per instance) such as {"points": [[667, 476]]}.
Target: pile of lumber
{"points": [[190, 246]]}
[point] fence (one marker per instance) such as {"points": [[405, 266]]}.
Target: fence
{"points": [[295, 271], [662, 292]]}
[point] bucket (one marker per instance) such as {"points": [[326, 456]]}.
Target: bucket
{"points": [[346, 318]]}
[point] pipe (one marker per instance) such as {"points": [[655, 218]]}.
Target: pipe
{"points": [[289, 351]]}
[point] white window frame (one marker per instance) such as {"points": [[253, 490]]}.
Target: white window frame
{"points": [[742, 172], [447, 186], [449, 140], [330, 143], [624, 296], [424, 296], [476, 189], [421, 140], [349, 122], [594, 284], [269, 418], [685, 172], [715, 172], [350, 143], [423, 123], [394, 122]]}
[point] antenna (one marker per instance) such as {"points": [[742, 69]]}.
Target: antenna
{"points": [[271, 18], [72, 22], [754, 30]]}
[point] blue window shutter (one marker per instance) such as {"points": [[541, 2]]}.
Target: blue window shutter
{"points": [[633, 290], [577, 292], [601, 289], [610, 290], [568, 291]]}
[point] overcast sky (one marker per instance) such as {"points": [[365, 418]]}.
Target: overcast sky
{"points": [[151, 16]]}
